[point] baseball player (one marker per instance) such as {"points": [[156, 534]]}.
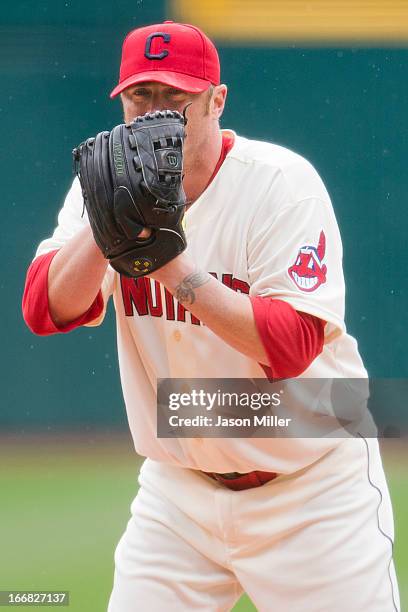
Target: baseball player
{"points": [[255, 290]]}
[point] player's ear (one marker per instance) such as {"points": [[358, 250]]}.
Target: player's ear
{"points": [[218, 100]]}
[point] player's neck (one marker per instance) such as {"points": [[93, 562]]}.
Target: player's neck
{"points": [[199, 170]]}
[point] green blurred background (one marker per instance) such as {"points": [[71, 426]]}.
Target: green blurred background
{"points": [[68, 472]]}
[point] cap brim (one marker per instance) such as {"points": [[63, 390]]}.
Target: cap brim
{"points": [[184, 82]]}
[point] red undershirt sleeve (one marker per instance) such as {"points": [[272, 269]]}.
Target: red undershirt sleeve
{"points": [[292, 339], [35, 305]]}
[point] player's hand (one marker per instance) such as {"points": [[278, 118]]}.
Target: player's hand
{"points": [[145, 233], [172, 273]]}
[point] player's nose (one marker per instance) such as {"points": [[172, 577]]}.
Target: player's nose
{"points": [[160, 102], [157, 102]]}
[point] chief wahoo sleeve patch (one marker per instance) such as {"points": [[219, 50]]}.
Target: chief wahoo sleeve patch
{"points": [[309, 272]]}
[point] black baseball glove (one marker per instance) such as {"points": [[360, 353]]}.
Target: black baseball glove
{"points": [[131, 178]]}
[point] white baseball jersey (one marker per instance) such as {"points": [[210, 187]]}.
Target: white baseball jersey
{"points": [[264, 226]]}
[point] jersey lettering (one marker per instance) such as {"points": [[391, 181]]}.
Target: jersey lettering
{"points": [[143, 296], [134, 294], [154, 299]]}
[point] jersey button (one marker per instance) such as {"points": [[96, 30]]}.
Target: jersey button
{"points": [[177, 335]]}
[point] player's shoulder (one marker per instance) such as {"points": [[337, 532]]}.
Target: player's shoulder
{"points": [[279, 165], [270, 154]]}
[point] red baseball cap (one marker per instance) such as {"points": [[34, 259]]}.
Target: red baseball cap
{"points": [[175, 54]]}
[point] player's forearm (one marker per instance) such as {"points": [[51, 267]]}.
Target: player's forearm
{"points": [[227, 313], [75, 277]]}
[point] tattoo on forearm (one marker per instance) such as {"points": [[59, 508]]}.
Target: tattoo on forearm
{"points": [[184, 292]]}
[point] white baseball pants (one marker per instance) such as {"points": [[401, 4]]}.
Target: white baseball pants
{"points": [[318, 540]]}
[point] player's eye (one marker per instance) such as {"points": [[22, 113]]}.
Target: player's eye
{"points": [[298, 261], [310, 264], [141, 92], [175, 92]]}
